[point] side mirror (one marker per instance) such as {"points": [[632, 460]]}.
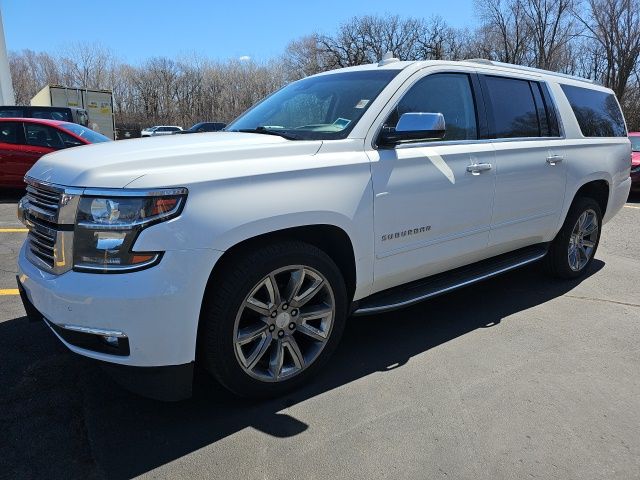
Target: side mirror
{"points": [[414, 127]]}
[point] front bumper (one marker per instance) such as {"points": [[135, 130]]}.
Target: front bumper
{"points": [[156, 309], [170, 383]]}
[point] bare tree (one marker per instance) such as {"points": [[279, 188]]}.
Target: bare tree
{"points": [[552, 26], [615, 26], [366, 39], [87, 64], [304, 57], [505, 31], [439, 41]]}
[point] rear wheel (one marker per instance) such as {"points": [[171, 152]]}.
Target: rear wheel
{"points": [[573, 249], [273, 319]]}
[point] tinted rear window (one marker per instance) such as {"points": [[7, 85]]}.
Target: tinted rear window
{"points": [[597, 112], [514, 109]]}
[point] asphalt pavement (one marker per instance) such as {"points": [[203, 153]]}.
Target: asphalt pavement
{"points": [[517, 377]]}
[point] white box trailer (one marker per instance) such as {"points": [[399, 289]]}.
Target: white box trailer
{"points": [[97, 103]]}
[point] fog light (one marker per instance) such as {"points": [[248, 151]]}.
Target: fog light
{"points": [[111, 342]]}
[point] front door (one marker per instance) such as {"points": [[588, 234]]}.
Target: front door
{"points": [[432, 201]]}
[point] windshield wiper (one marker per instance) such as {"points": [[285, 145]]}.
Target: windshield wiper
{"points": [[268, 131]]}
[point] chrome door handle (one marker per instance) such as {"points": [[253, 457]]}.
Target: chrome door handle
{"points": [[476, 168], [553, 159]]}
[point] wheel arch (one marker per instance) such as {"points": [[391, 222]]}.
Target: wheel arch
{"points": [[331, 239], [596, 186], [599, 190]]}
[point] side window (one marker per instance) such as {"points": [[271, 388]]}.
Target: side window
{"points": [[61, 115], [9, 112], [513, 107], [43, 136], [552, 113], [541, 111], [597, 112], [10, 132], [447, 93]]}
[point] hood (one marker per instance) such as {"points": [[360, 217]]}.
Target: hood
{"points": [[116, 164]]}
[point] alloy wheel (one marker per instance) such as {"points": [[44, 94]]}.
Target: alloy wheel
{"points": [[284, 323], [582, 241]]}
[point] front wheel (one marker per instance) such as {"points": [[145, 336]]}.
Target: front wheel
{"points": [[273, 318], [574, 248]]}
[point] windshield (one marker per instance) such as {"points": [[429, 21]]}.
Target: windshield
{"points": [[86, 133], [635, 143], [321, 107]]}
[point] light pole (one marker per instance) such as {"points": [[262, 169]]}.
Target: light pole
{"points": [[7, 96]]}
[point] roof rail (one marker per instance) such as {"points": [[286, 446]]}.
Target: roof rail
{"points": [[484, 61]]}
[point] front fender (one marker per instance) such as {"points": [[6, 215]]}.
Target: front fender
{"points": [[221, 214]]}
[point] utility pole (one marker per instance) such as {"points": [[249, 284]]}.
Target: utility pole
{"points": [[7, 96]]}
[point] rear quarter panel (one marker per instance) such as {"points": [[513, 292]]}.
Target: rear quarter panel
{"points": [[589, 159]]}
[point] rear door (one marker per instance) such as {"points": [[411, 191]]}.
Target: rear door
{"points": [[530, 173], [13, 154]]}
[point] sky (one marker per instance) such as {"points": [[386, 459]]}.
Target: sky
{"points": [[139, 29]]}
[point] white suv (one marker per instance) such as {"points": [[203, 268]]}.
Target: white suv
{"points": [[160, 130], [351, 192]]}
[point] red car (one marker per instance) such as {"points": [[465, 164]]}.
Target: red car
{"points": [[24, 140], [635, 161]]}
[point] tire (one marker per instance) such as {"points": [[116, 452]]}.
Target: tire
{"points": [[256, 353], [560, 262]]}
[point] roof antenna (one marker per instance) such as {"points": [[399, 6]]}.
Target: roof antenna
{"points": [[387, 58]]}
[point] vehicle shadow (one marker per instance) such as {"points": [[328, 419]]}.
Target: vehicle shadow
{"points": [[634, 197], [70, 420]]}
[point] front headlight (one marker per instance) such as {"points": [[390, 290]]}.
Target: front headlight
{"points": [[108, 226]]}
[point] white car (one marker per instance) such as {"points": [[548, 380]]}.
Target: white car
{"points": [[350, 192], [160, 130]]}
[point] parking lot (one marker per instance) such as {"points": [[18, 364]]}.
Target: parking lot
{"points": [[517, 377]]}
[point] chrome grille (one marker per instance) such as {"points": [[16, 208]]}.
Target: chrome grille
{"points": [[47, 200], [49, 211], [42, 242]]}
